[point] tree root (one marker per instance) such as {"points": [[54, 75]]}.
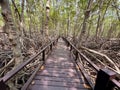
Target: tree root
{"points": [[103, 55]]}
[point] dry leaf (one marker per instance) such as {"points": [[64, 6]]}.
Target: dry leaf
{"points": [[33, 82]]}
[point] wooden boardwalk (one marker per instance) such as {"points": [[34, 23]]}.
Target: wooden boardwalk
{"points": [[59, 72]]}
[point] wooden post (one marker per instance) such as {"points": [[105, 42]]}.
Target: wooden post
{"points": [[103, 80], [43, 56], [3, 86], [51, 47], [70, 48], [54, 43], [68, 44], [76, 56]]}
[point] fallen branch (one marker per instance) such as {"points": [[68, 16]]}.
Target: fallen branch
{"points": [[102, 62], [103, 55], [8, 64]]}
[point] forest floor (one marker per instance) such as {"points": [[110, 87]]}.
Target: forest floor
{"points": [[105, 53], [110, 48]]}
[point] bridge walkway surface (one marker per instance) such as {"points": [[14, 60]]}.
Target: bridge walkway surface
{"points": [[59, 73]]}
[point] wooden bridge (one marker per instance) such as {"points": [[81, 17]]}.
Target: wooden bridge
{"points": [[61, 70]]}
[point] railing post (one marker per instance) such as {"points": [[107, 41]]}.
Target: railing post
{"points": [[70, 48], [67, 43], [43, 56], [3, 86], [51, 47], [76, 56], [54, 43], [103, 80]]}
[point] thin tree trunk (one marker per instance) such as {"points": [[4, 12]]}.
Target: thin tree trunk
{"points": [[47, 18], [102, 20], [99, 19], [22, 19], [117, 11], [42, 31], [76, 22], [86, 16]]}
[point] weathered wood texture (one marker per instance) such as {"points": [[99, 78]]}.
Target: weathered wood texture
{"points": [[59, 72]]}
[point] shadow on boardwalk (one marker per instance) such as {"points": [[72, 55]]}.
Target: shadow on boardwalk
{"points": [[59, 72]]}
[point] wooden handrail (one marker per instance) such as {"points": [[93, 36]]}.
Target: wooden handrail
{"points": [[91, 63], [31, 78], [116, 83], [11, 73], [81, 67], [105, 72]]}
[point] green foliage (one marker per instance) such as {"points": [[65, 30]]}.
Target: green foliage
{"points": [[1, 20], [69, 13]]}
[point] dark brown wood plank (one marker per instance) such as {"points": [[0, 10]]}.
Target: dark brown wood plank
{"points": [[57, 73], [61, 70], [59, 79], [39, 87], [59, 84], [60, 66]]}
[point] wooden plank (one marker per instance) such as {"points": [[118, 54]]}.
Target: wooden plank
{"points": [[73, 77], [60, 66], [50, 73], [58, 60], [59, 84], [39, 87], [59, 79], [61, 70], [53, 71]]}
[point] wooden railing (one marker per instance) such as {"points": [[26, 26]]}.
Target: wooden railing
{"points": [[12, 73], [106, 79]]}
